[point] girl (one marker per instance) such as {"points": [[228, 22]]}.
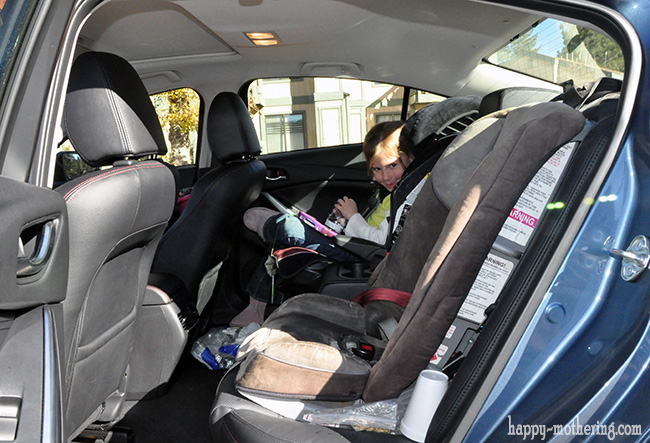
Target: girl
{"points": [[388, 151]]}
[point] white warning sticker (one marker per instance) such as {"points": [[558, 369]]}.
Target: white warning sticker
{"points": [[524, 216], [486, 288], [450, 331]]}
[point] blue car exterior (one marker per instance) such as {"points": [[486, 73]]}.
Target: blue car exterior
{"points": [[582, 360]]}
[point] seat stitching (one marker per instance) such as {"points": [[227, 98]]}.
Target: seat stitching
{"points": [[69, 196]]}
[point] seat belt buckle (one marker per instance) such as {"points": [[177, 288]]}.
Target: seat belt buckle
{"points": [[364, 350]]}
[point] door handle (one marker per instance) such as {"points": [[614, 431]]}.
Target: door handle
{"points": [[275, 175], [44, 243]]}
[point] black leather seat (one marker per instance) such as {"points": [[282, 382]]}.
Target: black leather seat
{"points": [[117, 216], [202, 236]]}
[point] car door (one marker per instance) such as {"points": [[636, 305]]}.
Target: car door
{"points": [[33, 222]]}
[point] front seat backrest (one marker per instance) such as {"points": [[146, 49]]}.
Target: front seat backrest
{"points": [[117, 216], [202, 237]]}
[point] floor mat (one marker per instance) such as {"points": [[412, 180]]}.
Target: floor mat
{"points": [[182, 414]]}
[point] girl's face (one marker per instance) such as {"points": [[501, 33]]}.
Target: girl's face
{"points": [[388, 168]]}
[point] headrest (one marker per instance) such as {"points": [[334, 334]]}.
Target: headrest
{"points": [[435, 117], [108, 114], [513, 97], [580, 97], [231, 134], [468, 151]]}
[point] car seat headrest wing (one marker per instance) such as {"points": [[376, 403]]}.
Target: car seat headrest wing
{"points": [[231, 133], [463, 156], [107, 101], [435, 117]]}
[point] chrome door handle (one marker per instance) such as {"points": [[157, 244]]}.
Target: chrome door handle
{"points": [[28, 266], [635, 258], [279, 177]]}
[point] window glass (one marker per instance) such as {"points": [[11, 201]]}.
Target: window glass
{"points": [[284, 132], [298, 113], [556, 51], [14, 18], [178, 111]]}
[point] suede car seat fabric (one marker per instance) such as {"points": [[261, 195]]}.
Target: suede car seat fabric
{"points": [[117, 216], [454, 222], [202, 236]]}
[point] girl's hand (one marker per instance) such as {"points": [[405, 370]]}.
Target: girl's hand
{"points": [[346, 206]]}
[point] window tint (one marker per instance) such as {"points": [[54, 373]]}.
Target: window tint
{"points": [[178, 111], [299, 113], [14, 18], [557, 51]]}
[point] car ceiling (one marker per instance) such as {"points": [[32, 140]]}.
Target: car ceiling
{"points": [[435, 45]]}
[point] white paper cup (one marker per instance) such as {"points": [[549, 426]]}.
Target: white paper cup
{"points": [[430, 387]]}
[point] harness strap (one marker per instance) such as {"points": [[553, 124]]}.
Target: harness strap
{"points": [[392, 295]]}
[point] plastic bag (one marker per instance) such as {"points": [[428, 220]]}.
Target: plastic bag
{"points": [[217, 349], [380, 416]]}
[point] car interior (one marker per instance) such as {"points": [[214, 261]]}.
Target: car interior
{"points": [[272, 100]]}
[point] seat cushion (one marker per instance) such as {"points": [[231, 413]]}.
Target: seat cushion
{"points": [[304, 370], [296, 353]]}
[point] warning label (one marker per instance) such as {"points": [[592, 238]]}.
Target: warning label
{"points": [[486, 288], [523, 217], [450, 331], [442, 350]]}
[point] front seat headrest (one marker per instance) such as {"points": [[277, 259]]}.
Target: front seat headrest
{"points": [[107, 101], [231, 133]]}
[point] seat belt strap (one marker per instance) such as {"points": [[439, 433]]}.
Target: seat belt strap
{"points": [[387, 327]]}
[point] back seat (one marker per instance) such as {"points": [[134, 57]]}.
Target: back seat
{"points": [[449, 233]]}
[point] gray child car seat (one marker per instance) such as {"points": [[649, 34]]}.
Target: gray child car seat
{"points": [[446, 237]]}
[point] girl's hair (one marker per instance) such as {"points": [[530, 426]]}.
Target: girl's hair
{"points": [[391, 137]]}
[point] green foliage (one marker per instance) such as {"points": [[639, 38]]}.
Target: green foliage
{"points": [[178, 111], [521, 44], [605, 52]]}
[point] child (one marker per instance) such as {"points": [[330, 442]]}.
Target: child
{"points": [[388, 151]]}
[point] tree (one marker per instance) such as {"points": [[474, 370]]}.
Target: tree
{"points": [[605, 52], [178, 111], [519, 45]]}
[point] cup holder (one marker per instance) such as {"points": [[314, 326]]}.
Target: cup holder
{"points": [[354, 270]]}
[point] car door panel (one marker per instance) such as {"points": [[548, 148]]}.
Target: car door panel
{"points": [[34, 274], [31, 215], [313, 179]]}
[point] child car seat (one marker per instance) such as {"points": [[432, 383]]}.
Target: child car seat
{"points": [[451, 227]]}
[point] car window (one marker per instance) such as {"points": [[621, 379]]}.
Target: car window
{"points": [[179, 113], [557, 51], [14, 17], [305, 112]]}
